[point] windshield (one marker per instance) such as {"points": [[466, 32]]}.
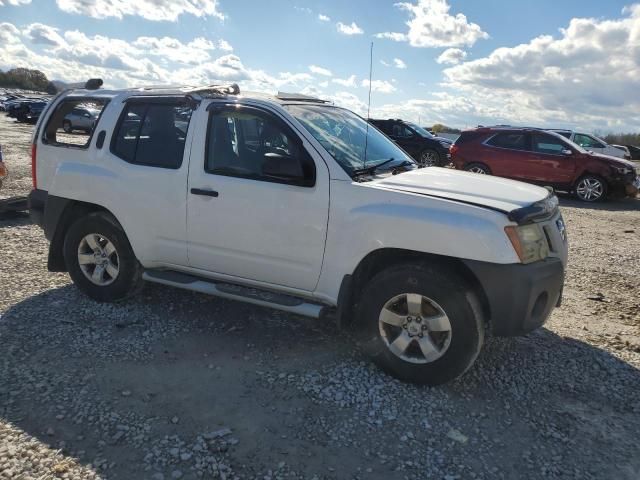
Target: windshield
{"points": [[421, 131], [345, 135]]}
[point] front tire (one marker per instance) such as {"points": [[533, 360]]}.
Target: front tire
{"points": [[100, 259], [591, 188], [429, 158], [421, 324]]}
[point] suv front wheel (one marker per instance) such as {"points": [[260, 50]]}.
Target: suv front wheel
{"points": [[429, 158], [100, 260], [419, 325], [591, 188]]}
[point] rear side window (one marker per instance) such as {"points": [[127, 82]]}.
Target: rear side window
{"points": [[73, 121], [152, 134], [510, 140]]}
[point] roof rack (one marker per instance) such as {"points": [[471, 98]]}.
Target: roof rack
{"points": [[299, 97], [213, 91]]}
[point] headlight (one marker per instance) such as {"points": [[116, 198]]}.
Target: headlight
{"points": [[529, 242], [622, 170]]}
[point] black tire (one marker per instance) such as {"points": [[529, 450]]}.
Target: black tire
{"points": [[128, 280], [585, 188], [429, 158], [67, 127], [477, 167], [451, 293]]}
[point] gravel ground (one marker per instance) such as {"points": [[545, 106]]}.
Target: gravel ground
{"points": [[177, 385]]}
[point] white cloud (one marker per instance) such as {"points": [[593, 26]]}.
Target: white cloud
{"points": [[224, 45], [452, 56], [352, 29], [346, 82], [320, 70], [589, 75], [9, 34], [324, 18], [381, 86], [167, 10], [44, 34], [395, 36], [14, 3], [399, 64], [432, 25]]}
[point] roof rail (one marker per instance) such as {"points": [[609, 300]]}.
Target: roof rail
{"points": [[299, 97], [215, 90]]}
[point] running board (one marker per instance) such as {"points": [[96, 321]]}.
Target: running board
{"points": [[255, 296]]}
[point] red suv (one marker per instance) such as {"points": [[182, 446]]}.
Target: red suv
{"points": [[545, 158]]}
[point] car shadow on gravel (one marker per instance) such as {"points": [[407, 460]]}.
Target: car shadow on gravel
{"points": [[150, 386], [613, 205]]}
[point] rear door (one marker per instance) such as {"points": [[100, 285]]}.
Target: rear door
{"points": [[258, 200], [507, 154]]}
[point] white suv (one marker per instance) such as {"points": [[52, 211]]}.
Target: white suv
{"points": [[591, 142], [293, 203]]}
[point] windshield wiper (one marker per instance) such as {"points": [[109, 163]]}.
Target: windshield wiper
{"points": [[372, 169]]}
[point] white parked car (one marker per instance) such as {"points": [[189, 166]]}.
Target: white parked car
{"points": [[292, 203], [591, 142]]}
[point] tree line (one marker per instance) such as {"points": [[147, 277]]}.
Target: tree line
{"points": [[622, 138], [27, 79]]}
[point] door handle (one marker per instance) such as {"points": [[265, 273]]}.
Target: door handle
{"points": [[202, 191]]}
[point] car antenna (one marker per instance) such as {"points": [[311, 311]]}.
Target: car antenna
{"points": [[366, 137]]}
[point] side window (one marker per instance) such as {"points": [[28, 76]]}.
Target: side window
{"points": [[401, 131], [66, 127], [564, 134], [510, 140], [152, 134], [548, 144], [252, 144], [587, 141]]}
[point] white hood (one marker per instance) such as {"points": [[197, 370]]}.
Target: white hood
{"points": [[493, 192]]}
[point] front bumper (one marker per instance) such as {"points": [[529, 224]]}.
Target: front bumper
{"points": [[520, 297]]}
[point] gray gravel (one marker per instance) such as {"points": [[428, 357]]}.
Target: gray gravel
{"points": [[174, 385]]}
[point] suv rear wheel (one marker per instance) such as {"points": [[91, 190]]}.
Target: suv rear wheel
{"points": [[100, 260], [429, 158], [419, 325], [591, 188], [480, 168]]}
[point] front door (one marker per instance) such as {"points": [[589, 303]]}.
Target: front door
{"points": [[552, 161], [258, 199]]}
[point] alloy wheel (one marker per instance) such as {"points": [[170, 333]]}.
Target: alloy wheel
{"points": [[589, 189], [415, 328], [428, 159], [477, 169], [98, 259]]}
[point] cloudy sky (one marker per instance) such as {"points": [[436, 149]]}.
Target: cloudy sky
{"points": [[568, 63]]}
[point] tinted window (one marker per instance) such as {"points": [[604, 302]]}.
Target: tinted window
{"points": [[510, 140], [547, 144], [152, 134], [252, 144], [401, 131], [586, 141], [63, 130]]}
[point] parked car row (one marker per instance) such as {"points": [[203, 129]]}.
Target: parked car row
{"points": [[25, 109], [548, 158]]}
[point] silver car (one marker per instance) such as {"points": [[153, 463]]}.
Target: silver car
{"points": [[80, 118]]}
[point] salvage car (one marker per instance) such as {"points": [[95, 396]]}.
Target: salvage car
{"points": [[544, 158], [292, 203]]}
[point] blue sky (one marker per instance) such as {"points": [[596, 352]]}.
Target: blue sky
{"points": [[583, 74]]}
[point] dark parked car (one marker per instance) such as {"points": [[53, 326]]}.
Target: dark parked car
{"points": [[32, 113], [425, 148], [634, 151], [544, 158]]}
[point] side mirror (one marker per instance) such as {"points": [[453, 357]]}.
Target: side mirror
{"points": [[283, 167], [567, 152]]}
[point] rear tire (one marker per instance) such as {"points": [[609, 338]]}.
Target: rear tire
{"points": [[479, 168], [421, 323], [100, 259]]}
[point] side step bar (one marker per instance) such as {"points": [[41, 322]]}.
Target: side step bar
{"points": [[255, 296]]}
